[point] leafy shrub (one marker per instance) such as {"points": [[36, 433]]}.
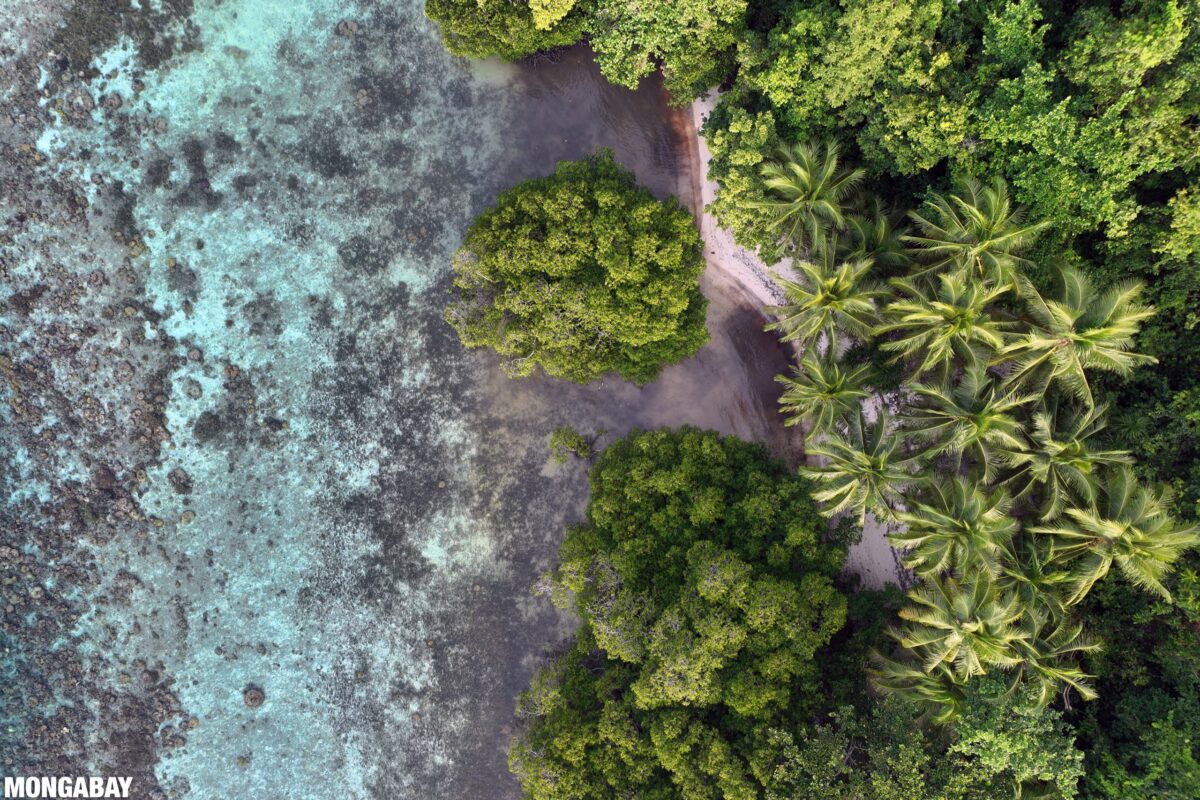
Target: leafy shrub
{"points": [[705, 592], [582, 273], [510, 29]]}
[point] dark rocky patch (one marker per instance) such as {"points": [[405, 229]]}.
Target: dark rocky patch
{"points": [[23, 302], [365, 254], [158, 172], [199, 191], [322, 151]]}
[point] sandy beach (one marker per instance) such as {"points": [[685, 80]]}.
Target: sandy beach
{"points": [[743, 277]]}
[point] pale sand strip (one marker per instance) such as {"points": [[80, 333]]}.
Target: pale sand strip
{"points": [[737, 269]]}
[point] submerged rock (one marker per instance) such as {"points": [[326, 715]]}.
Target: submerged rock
{"points": [[254, 696]]}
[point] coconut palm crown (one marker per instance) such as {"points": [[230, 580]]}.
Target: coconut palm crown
{"points": [[957, 527], [967, 627], [829, 295], [822, 392], [865, 470], [1129, 526], [809, 191], [1057, 462], [974, 419], [938, 329], [976, 230], [1082, 330], [869, 233]]}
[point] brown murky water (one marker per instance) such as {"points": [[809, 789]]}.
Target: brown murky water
{"points": [[728, 386]]}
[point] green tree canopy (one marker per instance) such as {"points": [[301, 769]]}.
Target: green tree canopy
{"points": [[693, 40], [509, 29], [1004, 746], [582, 273], [704, 589]]}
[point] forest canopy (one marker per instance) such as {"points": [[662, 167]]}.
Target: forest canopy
{"points": [[693, 42], [705, 589], [990, 215], [581, 273]]}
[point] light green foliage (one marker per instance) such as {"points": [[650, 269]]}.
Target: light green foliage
{"points": [[828, 296], [582, 273], [705, 592], [1183, 239], [1075, 153], [874, 63], [693, 40], [510, 29], [565, 440], [1019, 741], [1110, 55], [1013, 37], [740, 143], [918, 83], [548, 13], [822, 392]]}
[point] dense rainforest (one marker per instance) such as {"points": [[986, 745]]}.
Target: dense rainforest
{"points": [[987, 221]]}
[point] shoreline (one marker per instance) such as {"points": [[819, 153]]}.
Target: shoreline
{"points": [[738, 272], [730, 264]]}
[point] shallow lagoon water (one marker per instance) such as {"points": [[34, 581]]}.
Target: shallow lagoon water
{"points": [[347, 510]]}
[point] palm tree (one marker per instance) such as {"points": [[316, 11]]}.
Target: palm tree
{"points": [[870, 234], [1058, 462], [810, 190], [822, 392], [940, 692], [829, 295], [1027, 570], [1048, 653], [1082, 330], [966, 627], [1129, 526], [954, 323], [975, 230], [959, 528], [973, 418], [863, 472]]}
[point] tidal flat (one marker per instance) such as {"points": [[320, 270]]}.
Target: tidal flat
{"points": [[268, 530]]}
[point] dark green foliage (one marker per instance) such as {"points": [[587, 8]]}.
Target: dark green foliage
{"points": [[705, 593], [505, 28], [565, 440], [1143, 734], [582, 273]]}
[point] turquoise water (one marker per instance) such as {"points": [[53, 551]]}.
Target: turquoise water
{"points": [[347, 510]]}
